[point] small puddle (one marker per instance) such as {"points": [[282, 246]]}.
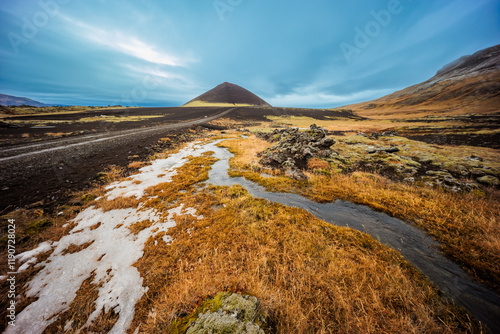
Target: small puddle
{"points": [[416, 246]]}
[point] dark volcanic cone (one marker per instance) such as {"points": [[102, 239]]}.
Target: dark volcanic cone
{"points": [[228, 94]]}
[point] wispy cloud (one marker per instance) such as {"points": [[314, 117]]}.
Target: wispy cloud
{"points": [[313, 99], [433, 23], [129, 45], [154, 71]]}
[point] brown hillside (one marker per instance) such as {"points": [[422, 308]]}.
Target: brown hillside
{"points": [[470, 84]]}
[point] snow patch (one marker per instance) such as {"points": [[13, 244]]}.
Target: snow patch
{"points": [[28, 258], [110, 256], [160, 171]]}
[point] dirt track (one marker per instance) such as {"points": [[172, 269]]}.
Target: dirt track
{"points": [[47, 170]]}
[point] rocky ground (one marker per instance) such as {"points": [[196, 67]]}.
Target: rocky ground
{"points": [[293, 149], [384, 153]]}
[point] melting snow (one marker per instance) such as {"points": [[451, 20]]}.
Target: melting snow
{"points": [[110, 256], [28, 258]]}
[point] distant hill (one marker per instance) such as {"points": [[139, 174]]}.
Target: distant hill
{"points": [[227, 94], [9, 100], [470, 84]]}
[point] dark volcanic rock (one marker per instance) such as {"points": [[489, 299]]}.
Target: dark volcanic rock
{"points": [[392, 149], [294, 149]]}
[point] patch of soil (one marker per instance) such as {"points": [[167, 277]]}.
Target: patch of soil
{"points": [[480, 140], [28, 133], [48, 179], [259, 114]]}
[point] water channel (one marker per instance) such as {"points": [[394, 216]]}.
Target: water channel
{"points": [[415, 245]]}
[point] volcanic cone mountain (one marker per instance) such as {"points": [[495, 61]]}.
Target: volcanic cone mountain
{"points": [[227, 94], [470, 84]]}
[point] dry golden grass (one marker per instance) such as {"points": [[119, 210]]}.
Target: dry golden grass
{"points": [[135, 164], [317, 164], [227, 123], [57, 134], [310, 276], [117, 203], [467, 225], [447, 97], [368, 125]]}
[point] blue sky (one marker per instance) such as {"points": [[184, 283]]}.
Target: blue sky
{"points": [[297, 53]]}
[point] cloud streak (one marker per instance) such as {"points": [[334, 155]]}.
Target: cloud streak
{"points": [[129, 45], [168, 52]]}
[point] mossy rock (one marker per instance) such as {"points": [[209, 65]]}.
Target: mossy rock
{"points": [[101, 176], [38, 226], [88, 197], [489, 180], [225, 313]]}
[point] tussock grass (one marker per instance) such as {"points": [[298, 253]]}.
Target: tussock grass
{"points": [[117, 203], [135, 165], [309, 276], [467, 225]]}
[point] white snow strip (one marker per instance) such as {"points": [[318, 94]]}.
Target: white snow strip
{"points": [[114, 248], [30, 257], [160, 171], [110, 256]]}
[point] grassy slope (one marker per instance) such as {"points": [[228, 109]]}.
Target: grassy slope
{"points": [[309, 276], [466, 224], [448, 97]]}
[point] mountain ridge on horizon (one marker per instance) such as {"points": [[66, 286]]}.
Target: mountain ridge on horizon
{"points": [[11, 100], [470, 84]]}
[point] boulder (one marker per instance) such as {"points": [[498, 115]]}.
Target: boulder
{"points": [[294, 149], [229, 313], [489, 180]]}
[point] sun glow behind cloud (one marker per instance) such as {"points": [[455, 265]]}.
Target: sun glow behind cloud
{"points": [[128, 45]]}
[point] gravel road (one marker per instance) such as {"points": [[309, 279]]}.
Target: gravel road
{"points": [[47, 170]]}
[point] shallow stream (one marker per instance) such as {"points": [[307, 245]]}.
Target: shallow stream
{"points": [[416, 246]]}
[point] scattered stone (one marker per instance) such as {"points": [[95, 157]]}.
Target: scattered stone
{"points": [[295, 174], [101, 176], [227, 313], [390, 133], [473, 158], [489, 180], [392, 149], [294, 149], [88, 197]]}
